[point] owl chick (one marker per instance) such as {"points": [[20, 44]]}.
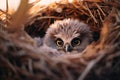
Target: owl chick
{"points": [[68, 35]]}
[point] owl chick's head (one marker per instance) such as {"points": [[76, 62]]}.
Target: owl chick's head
{"points": [[68, 35]]}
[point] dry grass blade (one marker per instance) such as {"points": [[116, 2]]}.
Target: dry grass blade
{"points": [[20, 17], [6, 62], [93, 0], [90, 66], [91, 14]]}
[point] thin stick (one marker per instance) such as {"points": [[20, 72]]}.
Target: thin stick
{"points": [[91, 14], [6, 13], [100, 9], [100, 16], [90, 66], [46, 17]]}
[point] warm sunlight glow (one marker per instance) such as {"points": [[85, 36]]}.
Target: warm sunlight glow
{"points": [[46, 2], [13, 4]]}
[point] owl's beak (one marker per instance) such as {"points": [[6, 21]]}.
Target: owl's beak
{"points": [[68, 48]]}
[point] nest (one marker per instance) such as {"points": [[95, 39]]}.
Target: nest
{"points": [[20, 58], [86, 12]]}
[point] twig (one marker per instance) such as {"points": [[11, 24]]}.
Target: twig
{"points": [[46, 17], [100, 9], [30, 66], [91, 13], [100, 15], [7, 63], [82, 10], [90, 66], [6, 13]]}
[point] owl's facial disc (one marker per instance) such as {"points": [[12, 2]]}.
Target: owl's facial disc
{"points": [[69, 46], [63, 46]]}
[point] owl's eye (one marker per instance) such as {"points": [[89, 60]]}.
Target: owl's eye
{"points": [[59, 42], [76, 42]]}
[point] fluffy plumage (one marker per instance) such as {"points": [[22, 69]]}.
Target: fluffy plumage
{"points": [[68, 35]]}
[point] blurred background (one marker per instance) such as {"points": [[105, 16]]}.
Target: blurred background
{"points": [[13, 5]]}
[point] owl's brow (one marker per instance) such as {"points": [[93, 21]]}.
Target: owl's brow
{"points": [[57, 36], [76, 34]]}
